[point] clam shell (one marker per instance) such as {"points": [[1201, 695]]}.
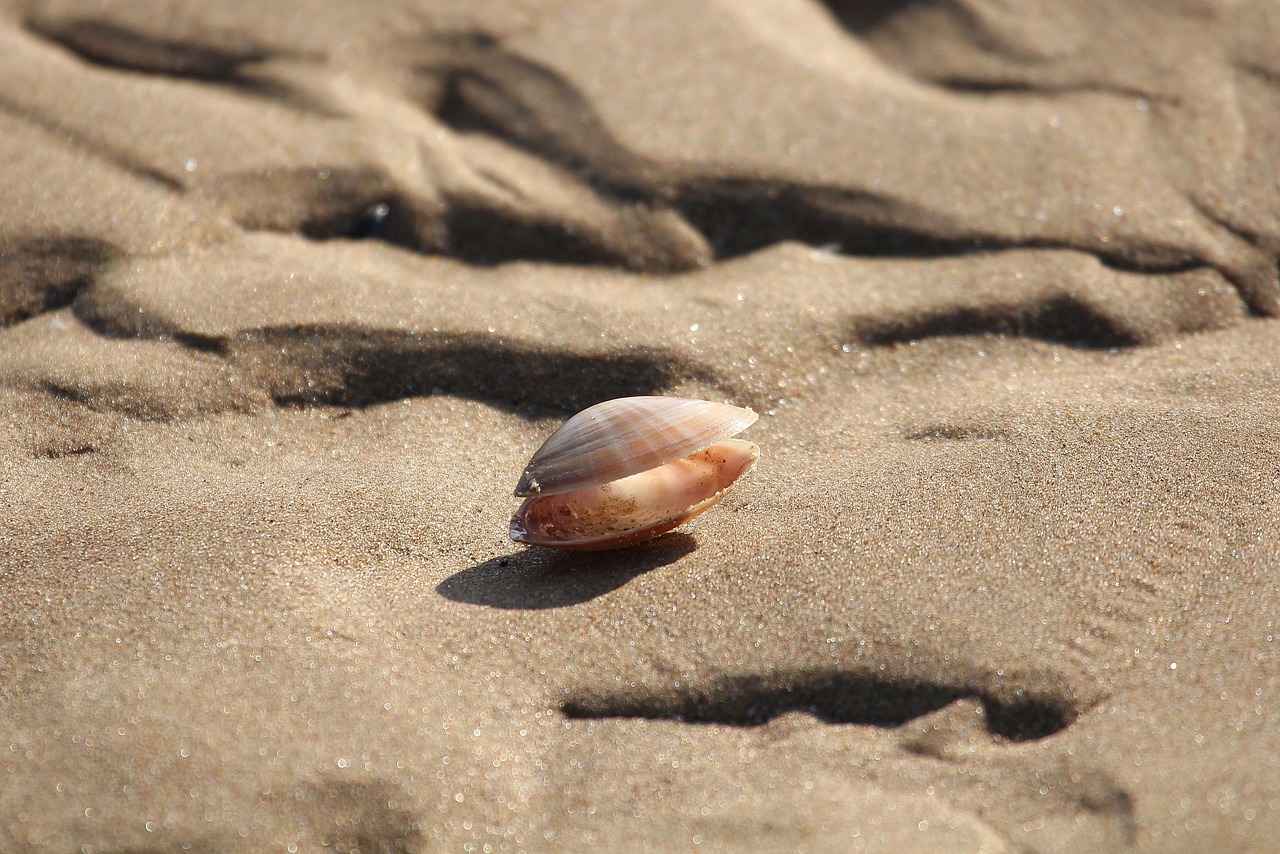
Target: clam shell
{"points": [[636, 508], [622, 437]]}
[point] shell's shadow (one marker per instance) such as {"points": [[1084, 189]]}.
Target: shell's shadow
{"points": [[542, 578]]}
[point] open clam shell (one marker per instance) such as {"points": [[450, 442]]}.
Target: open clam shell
{"points": [[630, 469]]}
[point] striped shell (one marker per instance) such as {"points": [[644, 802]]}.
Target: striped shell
{"points": [[630, 469], [628, 435]]}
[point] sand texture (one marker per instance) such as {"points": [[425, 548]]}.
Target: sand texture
{"points": [[290, 292]]}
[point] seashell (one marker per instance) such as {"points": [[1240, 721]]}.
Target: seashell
{"points": [[627, 470]]}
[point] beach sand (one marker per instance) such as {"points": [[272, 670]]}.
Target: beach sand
{"points": [[291, 292]]}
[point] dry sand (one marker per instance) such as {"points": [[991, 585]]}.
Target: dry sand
{"points": [[291, 291]]}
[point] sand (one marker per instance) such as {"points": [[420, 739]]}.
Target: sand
{"points": [[290, 292]]}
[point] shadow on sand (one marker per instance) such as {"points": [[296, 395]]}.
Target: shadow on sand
{"points": [[538, 578]]}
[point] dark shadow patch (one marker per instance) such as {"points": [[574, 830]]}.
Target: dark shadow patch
{"points": [[1097, 793], [861, 17], [1028, 718], [953, 433], [375, 816], [1071, 787], [353, 366], [476, 235], [389, 217], [200, 343], [483, 236], [63, 393], [836, 698], [486, 88], [904, 31], [371, 223], [1146, 258], [987, 86], [57, 452], [327, 204], [229, 59], [45, 274], [101, 314], [740, 217], [364, 206], [537, 578], [143, 405], [1059, 320], [219, 57]]}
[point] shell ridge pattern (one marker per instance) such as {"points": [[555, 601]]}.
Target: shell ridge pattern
{"points": [[618, 438]]}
